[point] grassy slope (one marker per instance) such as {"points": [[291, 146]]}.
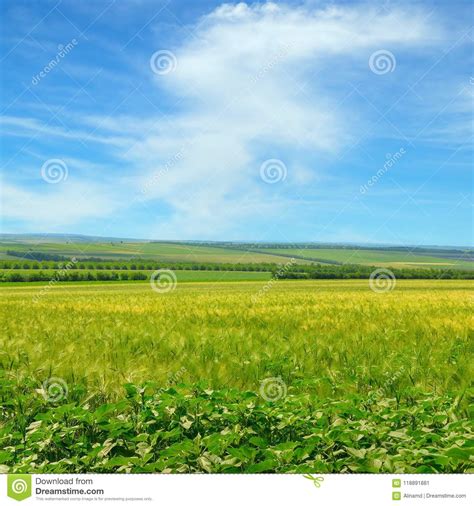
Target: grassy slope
{"points": [[375, 257]]}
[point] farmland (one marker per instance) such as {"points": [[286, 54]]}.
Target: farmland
{"points": [[307, 376], [164, 252], [240, 253], [379, 257]]}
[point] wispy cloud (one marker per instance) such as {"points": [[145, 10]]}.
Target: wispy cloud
{"points": [[57, 206], [28, 127], [255, 81]]}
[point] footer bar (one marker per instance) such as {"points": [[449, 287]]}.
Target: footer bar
{"points": [[238, 489]]}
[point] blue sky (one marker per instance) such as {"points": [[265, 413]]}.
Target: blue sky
{"points": [[287, 121]]}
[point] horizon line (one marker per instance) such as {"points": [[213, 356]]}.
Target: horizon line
{"points": [[239, 241]]}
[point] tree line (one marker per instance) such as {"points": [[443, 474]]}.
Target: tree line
{"points": [[115, 271], [364, 272], [59, 275], [135, 265]]}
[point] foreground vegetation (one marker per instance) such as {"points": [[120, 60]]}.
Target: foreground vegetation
{"points": [[196, 429], [144, 381]]}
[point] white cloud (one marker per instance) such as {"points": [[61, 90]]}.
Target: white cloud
{"points": [[56, 205], [240, 77]]}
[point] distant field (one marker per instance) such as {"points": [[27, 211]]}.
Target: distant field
{"points": [[165, 252], [377, 257], [184, 252]]}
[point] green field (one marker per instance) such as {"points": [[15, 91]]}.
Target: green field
{"points": [[307, 376], [164, 252], [376, 257]]}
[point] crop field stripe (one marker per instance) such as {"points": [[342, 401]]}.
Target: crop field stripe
{"points": [[168, 252]]}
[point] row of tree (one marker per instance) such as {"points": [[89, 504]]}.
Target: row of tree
{"points": [[364, 272], [278, 272], [17, 277], [134, 266]]}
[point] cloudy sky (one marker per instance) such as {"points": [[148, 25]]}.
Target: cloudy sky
{"points": [[286, 121]]}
